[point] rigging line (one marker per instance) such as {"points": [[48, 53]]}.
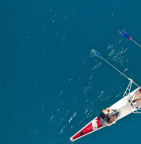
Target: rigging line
{"points": [[119, 71], [126, 35], [136, 43], [98, 55]]}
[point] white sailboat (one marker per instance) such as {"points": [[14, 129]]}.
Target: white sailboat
{"points": [[124, 106]]}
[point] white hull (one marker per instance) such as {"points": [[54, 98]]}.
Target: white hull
{"points": [[123, 106]]}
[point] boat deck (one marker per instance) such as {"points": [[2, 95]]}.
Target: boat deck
{"points": [[123, 106]]}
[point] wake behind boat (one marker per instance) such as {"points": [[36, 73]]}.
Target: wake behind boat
{"points": [[123, 106]]}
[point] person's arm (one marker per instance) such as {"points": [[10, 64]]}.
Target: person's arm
{"points": [[137, 96], [115, 117], [109, 110], [139, 100], [112, 122], [105, 111]]}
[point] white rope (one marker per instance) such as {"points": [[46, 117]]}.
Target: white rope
{"points": [[127, 91], [119, 71], [136, 43]]}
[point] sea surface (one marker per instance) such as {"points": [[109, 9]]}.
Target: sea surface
{"points": [[51, 85]]}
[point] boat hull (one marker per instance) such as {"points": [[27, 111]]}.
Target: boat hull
{"points": [[89, 128], [123, 106]]}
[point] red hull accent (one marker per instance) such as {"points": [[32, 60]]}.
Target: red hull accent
{"points": [[87, 129]]}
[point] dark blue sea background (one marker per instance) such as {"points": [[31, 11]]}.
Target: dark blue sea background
{"points": [[50, 83]]}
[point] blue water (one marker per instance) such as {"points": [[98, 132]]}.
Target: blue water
{"points": [[51, 85]]}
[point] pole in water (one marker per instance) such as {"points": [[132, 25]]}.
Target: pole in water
{"points": [[98, 55], [127, 36]]}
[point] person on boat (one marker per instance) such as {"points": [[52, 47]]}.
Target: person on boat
{"points": [[107, 117], [137, 98]]}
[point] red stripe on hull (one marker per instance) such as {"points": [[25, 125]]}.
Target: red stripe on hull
{"points": [[86, 130]]}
